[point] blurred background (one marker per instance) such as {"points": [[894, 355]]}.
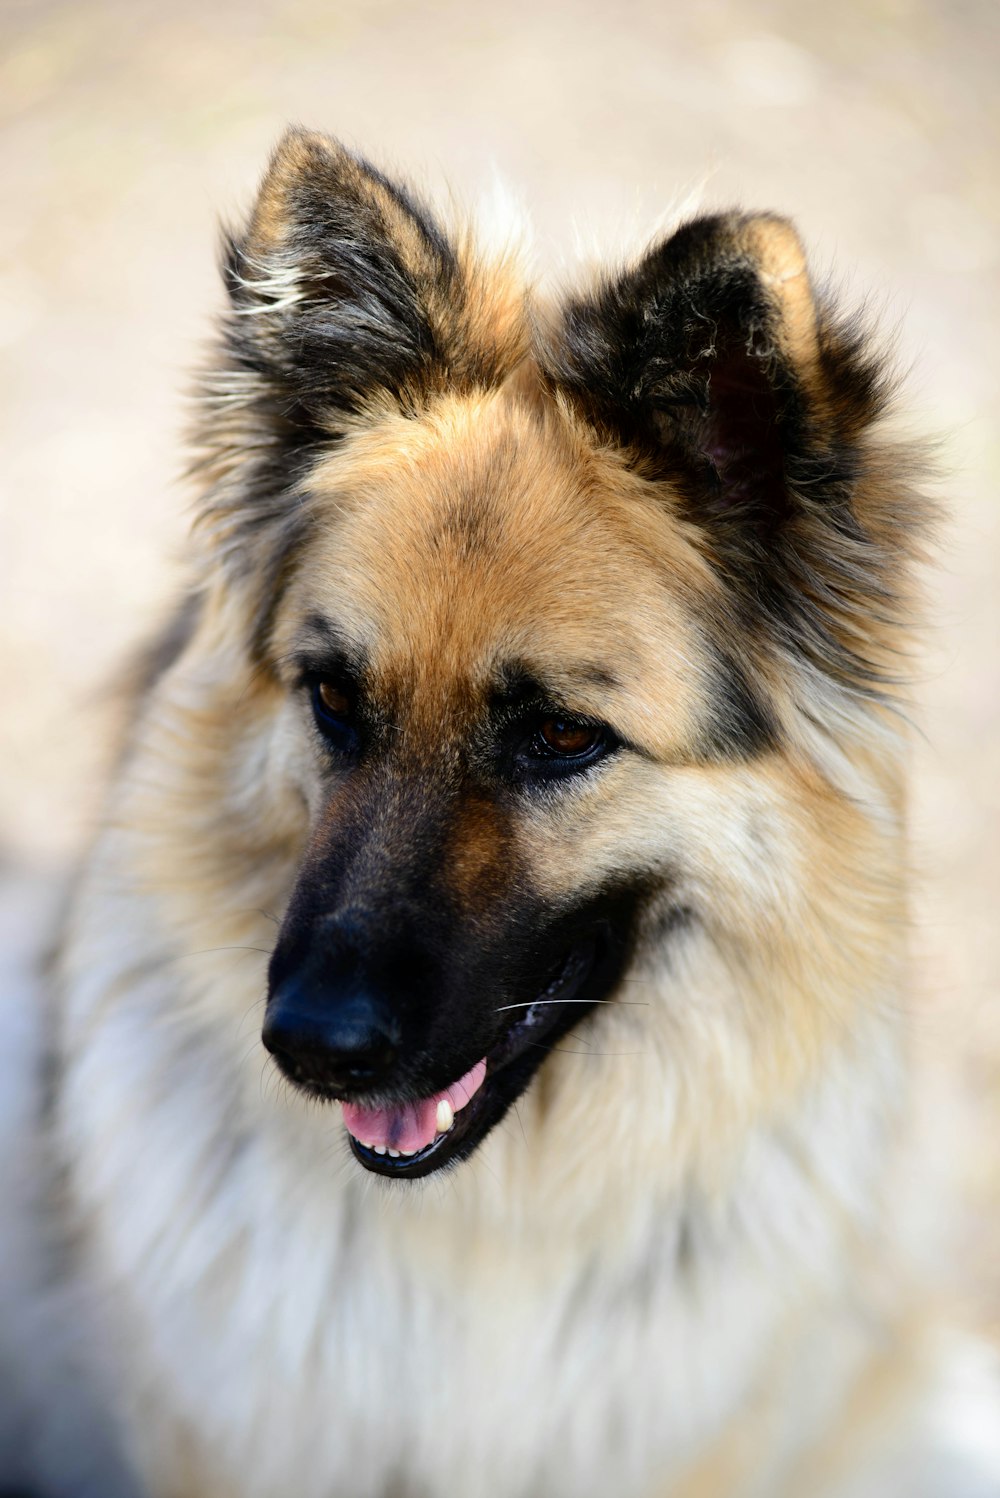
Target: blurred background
{"points": [[129, 128]]}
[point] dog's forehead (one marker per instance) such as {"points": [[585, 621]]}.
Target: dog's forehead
{"points": [[489, 533]]}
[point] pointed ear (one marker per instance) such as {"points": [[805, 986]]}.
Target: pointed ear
{"points": [[699, 359], [714, 367], [344, 285], [346, 299]]}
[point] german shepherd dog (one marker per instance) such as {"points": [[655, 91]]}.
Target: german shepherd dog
{"points": [[481, 1041]]}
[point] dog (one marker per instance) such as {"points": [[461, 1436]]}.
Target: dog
{"points": [[481, 1040]]}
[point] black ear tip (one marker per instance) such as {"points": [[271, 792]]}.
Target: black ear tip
{"points": [[765, 244], [698, 242]]}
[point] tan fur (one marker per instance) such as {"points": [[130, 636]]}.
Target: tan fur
{"points": [[777, 248]]}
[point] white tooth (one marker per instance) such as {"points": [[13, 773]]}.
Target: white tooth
{"points": [[407, 1153], [394, 1154], [379, 1149], [445, 1116]]}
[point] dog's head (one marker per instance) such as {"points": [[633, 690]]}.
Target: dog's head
{"points": [[571, 629]]}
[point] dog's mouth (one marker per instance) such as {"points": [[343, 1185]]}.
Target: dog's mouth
{"points": [[415, 1139]]}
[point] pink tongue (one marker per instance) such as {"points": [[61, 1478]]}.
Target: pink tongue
{"points": [[414, 1125]]}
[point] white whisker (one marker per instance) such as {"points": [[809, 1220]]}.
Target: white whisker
{"points": [[530, 1004]]}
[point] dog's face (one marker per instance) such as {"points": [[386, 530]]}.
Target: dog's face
{"points": [[550, 627], [478, 646]]}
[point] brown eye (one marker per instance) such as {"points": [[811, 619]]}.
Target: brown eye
{"points": [[335, 701], [335, 711], [549, 746], [563, 736]]}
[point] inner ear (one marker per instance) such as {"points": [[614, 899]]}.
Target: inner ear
{"points": [[727, 440], [743, 439]]}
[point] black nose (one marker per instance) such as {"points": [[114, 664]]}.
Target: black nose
{"points": [[348, 1043]]}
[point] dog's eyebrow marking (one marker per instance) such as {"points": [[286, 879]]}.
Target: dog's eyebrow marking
{"points": [[319, 624], [518, 682], [321, 645]]}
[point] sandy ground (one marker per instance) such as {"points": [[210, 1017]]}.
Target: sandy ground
{"points": [[127, 128]]}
